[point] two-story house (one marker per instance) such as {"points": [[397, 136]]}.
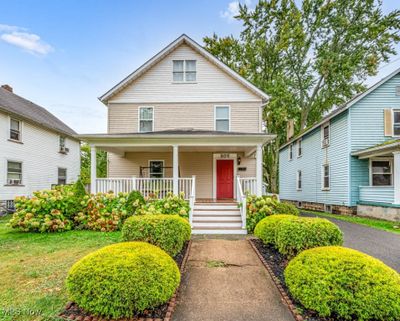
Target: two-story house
{"points": [[37, 150], [185, 122], [349, 162]]}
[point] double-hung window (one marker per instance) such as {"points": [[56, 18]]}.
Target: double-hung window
{"points": [[326, 179], [299, 180], [325, 137], [381, 172], [222, 118], [14, 173], [396, 122], [15, 129], [156, 169], [62, 176], [146, 119], [299, 148], [290, 152], [184, 70]]}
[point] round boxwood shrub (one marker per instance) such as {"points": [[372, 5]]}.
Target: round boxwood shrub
{"points": [[302, 233], [169, 232], [266, 228], [344, 283], [122, 279]]}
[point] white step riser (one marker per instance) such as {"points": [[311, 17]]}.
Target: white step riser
{"points": [[241, 231], [211, 224], [216, 207], [217, 218], [211, 212]]}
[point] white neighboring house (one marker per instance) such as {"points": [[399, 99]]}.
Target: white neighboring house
{"points": [[37, 150]]}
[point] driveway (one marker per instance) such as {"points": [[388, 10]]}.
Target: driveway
{"points": [[225, 281], [380, 244]]}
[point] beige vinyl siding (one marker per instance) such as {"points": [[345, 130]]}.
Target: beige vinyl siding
{"points": [[245, 116], [190, 163], [212, 83]]}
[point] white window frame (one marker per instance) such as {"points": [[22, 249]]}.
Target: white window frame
{"points": [[58, 175], [163, 167], [323, 126], [394, 111], [20, 129], [21, 183], [299, 179], [139, 119], [299, 148], [323, 187], [384, 159], [229, 116], [184, 81], [290, 152]]}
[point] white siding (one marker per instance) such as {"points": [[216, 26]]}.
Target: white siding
{"points": [[40, 159], [212, 85]]}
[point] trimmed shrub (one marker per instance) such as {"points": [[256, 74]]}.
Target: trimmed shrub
{"points": [[135, 200], [343, 283], [169, 232], [261, 207], [302, 233], [266, 228], [171, 204], [120, 280]]}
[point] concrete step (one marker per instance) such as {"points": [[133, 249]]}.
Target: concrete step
{"points": [[211, 225], [213, 218]]}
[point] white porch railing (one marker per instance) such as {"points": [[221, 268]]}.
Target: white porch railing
{"points": [[241, 198], [117, 185], [248, 184], [192, 199]]}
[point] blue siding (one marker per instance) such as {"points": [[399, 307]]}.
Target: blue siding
{"points": [[383, 194]]}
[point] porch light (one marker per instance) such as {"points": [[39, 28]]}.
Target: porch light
{"points": [[239, 160]]}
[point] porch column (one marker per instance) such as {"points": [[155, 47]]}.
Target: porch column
{"points": [[259, 171], [396, 176], [93, 169], [175, 170]]}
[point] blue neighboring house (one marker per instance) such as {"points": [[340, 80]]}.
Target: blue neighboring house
{"points": [[349, 162]]}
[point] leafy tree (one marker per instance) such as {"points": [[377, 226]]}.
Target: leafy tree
{"points": [[309, 58], [101, 158]]}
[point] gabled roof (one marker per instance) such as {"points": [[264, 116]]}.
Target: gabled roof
{"points": [[343, 107], [183, 39], [22, 108]]}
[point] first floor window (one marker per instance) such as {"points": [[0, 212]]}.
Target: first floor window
{"points": [[381, 172], [62, 176], [146, 117], [326, 176], [222, 118], [14, 173], [15, 129], [299, 179], [156, 169]]}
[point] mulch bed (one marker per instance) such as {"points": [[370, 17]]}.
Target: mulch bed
{"points": [[161, 313], [275, 264]]}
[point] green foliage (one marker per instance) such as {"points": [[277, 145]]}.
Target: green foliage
{"points": [[169, 232], [79, 189], [101, 159], [302, 233], [102, 212], [266, 228], [343, 283], [135, 200], [261, 207], [171, 204], [120, 280]]}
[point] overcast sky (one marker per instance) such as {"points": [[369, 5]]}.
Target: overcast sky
{"points": [[62, 55]]}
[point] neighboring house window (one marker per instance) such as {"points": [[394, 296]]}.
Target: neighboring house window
{"points": [[15, 129], [326, 184], [222, 118], [325, 135], [63, 148], [184, 70], [299, 180], [156, 169], [381, 172], [290, 151], [14, 173], [299, 148], [62, 176], [396, 122], [146, 119]]}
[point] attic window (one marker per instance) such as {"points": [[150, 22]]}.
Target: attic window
{"points": [[184, 70]]}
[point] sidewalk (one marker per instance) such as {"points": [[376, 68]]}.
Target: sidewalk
{"points": [[240, 290]]}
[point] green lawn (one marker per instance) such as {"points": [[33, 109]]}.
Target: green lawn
{"points": [[33, 268], [375, 223]]}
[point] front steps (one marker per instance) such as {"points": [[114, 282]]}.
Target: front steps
{"points": [[217, 218]]}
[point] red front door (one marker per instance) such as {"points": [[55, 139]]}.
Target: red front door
{"points": [[224, 178]]}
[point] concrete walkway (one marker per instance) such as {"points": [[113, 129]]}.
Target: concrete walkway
{"points": [[225, 281]]}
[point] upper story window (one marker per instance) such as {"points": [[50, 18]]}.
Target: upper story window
{"points": [[62, 176], [381, 172], [326, 177], [222, 118], [15, 129], [63, 147], [146, 119], [396, 122], [184, 70], [290, 152], [14, 173], [299, 148], [299, 179], [325, 136], [156, 169]]}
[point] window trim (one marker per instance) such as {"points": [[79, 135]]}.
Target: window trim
{"points": [[290, 152], [22, 172], [184, 81], [20, 129], [323, 188], [323, 126], [229, 116], [58, 175], [393, 111], [385, 159], [163, 167], [152, 120], [298, 176], [299, 147]]}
